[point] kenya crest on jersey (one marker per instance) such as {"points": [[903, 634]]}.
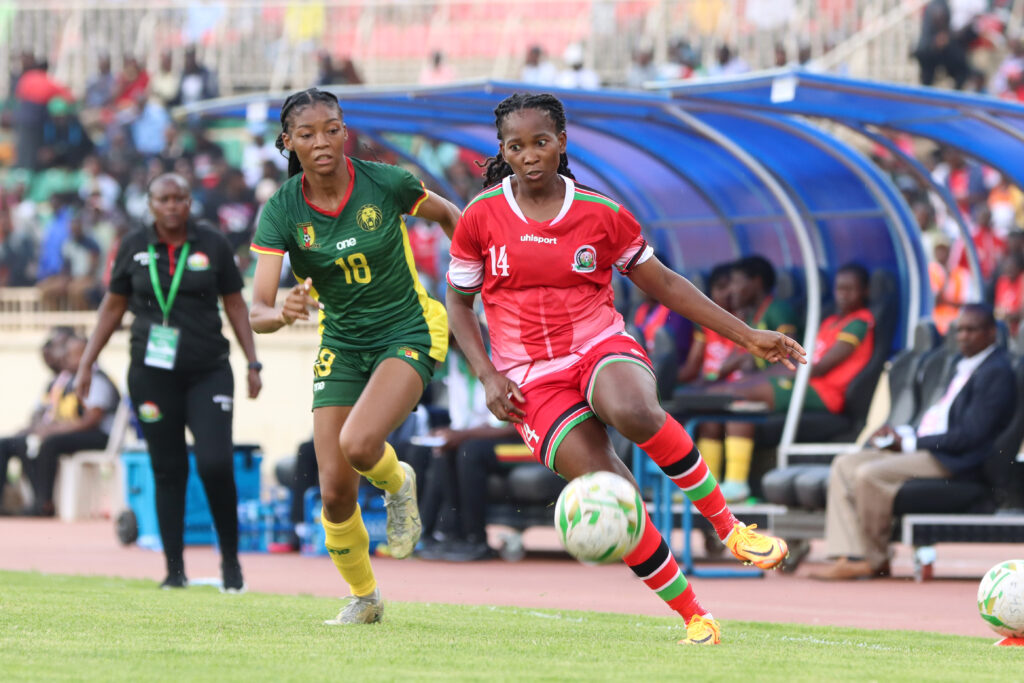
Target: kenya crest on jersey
{"points": [[585, 259], [307, 236], [369, 217]]}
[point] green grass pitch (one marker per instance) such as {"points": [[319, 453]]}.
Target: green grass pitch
{"points": [[55, 627]]}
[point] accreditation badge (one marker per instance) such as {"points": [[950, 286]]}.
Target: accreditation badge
{"points": [[162, 346]]}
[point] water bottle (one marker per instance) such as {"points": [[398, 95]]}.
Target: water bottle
{"points": [[266, 526], [250, 540]]}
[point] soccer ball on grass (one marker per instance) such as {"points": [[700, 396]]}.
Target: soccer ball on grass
{"points": [[599, 517], [1001, 598]]}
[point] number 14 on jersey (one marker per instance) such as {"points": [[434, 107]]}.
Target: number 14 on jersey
{"points": [[499, 261]]}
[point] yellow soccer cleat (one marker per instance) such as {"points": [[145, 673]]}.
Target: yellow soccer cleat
{"points": [[750, 547], [702, 630]]}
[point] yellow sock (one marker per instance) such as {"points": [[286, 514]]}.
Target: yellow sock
{"points": [[739, 450], [711, 451], [386, 474], [349, 546]]}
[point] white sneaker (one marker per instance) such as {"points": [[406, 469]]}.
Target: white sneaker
{"points": [[403, 526], [366, 609]]}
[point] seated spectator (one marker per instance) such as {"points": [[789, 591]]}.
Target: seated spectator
{"points": [[64, 140], [438, 71], [938, 46], [753, 284], [989, 247], [164, 83], [77, 426], [950, 283], [460, 467], [712, 357], [197, 82], [336, 72], [727, 63], [953, 439], [651, 316], [576, 75], [538, 69], [132, 84], [47, 407], [1009, 295], [32, 95], [77, 286], [95, 179], [843, 348]]}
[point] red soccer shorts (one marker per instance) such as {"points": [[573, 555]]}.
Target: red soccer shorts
{"points": [[558, 402]]}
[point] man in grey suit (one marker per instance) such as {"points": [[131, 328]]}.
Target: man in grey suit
{"points": [[953, 439]]}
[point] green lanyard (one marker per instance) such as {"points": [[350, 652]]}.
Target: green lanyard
{"points": [[165, 306]]}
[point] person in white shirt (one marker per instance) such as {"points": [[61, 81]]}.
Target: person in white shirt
{"points": [[538, 69], [575, 75], [953, 439]]}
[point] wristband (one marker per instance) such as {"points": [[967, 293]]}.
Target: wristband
{"points": [[256, 365]]}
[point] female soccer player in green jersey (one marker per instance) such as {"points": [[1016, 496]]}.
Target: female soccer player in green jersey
{"points": [[340, 221]]}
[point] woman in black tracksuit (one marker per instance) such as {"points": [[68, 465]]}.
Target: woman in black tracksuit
{"points": [[170, 275]]}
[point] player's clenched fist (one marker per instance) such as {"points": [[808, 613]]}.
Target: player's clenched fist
{"points": [[298, 303]]}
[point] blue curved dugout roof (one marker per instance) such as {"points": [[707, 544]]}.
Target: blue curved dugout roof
{"points": [[983, 127]]}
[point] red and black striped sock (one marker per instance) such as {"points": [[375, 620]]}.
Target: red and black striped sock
{"points": [[672, 449], [652, 561]]}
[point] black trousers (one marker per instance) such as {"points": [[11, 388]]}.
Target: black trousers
{"points": [[203, 402], [474, 462], [10, 447], [42, 469]]}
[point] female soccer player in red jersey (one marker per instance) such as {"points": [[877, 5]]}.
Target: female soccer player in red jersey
{"points": [[540, 250]]}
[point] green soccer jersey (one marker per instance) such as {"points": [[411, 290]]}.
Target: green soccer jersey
{"points": [[359, 258], [774, 315]]}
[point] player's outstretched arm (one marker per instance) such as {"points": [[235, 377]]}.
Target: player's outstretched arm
{"points": [[679, 294], [265, 315], [500, 390]]}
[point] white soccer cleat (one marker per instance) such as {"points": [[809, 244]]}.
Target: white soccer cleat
{"points": [[366, 609], [403, 526]]}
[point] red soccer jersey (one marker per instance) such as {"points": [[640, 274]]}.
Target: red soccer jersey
{"points": [[858, 329], [546, 286]]}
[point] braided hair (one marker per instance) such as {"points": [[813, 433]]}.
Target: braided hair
{"points": [[291, 105], [496, 167]]}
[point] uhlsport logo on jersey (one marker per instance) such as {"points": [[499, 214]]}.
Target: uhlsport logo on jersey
{"points": [[406, 352], [198, 262], [369, 217], [307, 236], [150, 412], [585, 259]]}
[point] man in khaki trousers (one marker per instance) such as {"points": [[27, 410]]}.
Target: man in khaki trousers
{"points": [[954, 437]]}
